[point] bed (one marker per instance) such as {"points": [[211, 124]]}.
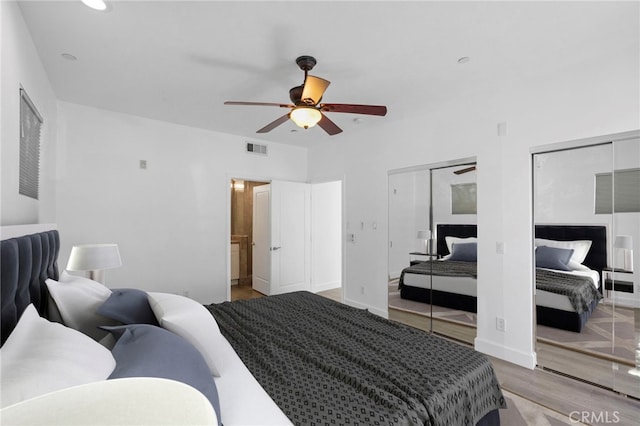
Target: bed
{"points": [[565, 299], [299, 358], [450, 284]]}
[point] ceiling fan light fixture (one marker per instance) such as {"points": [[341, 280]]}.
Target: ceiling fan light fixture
{"points": [[305, 116], [100, 5]]}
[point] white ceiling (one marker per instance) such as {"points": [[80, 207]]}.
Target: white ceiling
{"points": [[179, 61]]}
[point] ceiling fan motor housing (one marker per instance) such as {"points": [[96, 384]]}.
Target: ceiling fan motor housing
{"points": [[295, 94]]}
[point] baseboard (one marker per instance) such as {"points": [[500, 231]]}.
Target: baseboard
{"points": [[373, 310], [326, 286], [394, 275], [527, 360]]}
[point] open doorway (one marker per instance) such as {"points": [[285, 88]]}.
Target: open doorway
{"points": [[285, 241], [241, 238]]}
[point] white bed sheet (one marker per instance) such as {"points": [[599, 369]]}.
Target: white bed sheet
{"points": [[236, 385]]}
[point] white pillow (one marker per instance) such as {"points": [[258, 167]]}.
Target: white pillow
{"points": [[192, 321], [575, 266], [580, 247], [41, 357], [77, 299], [455, 240]]}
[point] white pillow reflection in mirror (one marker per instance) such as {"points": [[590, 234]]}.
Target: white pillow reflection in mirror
{"points": [[580, 247], [456, 240]]}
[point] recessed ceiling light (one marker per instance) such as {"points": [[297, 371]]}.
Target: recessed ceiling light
{"points": [[69, 56], [96, 4], [464, 60]]}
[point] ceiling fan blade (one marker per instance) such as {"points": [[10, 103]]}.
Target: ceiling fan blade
{"points": [[314, 88], [329, 126], [269, 127], [355, 109], [259, 104], [465, 170]]}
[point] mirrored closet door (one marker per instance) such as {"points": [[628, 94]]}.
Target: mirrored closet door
{"points": [[431, 209], [586, 222]]}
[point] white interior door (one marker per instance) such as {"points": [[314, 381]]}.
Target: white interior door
{"points": [[261, 264], [290, 237]]}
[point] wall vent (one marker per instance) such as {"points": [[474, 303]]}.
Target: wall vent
{"points": [[256, 148]]}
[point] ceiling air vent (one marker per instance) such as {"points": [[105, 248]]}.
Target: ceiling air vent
{"points": [[256, 148]]}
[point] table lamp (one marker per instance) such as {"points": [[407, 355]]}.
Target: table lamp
{"points": [[625, 243], [94, 258], [424, 234]]}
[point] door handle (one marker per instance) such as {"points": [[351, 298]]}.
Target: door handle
{"points": [[274, 248]]}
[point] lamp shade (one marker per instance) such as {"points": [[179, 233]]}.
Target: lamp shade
{"points": [[623, 242], [423, 234], [305, 116], [91, 257]]}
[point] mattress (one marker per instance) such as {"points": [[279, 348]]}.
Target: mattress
{"points": [[467, 286], [458, 285]]}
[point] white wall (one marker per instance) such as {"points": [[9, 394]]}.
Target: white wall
{"points": [[326, 236], [170, 219], [597, 96], [21, 66]]}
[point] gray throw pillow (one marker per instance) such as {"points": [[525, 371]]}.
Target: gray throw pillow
{"points": [[553, 258], [464, 252], [129, 306], [143, 350]]}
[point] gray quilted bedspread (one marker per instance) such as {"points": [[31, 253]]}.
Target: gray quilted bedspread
{"points": [[323, 362], [580, 290]]}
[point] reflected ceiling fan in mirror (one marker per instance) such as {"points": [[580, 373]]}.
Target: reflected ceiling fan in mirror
{"points": [[306, 109], [465, 170]]}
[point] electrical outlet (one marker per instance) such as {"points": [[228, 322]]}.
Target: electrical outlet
{"points": [[500, 324]]}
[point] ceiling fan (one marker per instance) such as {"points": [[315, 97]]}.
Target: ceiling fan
{"points": [[306, 109]]}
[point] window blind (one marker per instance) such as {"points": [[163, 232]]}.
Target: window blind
{"points": [[620, 190], [30, 127]]}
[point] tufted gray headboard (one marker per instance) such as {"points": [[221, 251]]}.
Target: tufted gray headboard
{"points": [[25, 264]]}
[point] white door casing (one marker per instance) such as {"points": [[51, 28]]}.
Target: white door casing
{"points": [[261, 263]]}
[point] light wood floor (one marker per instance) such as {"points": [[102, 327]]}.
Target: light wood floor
{"points": [[563, 395], [244, 292]]}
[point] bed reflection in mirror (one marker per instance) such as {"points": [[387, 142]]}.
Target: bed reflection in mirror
{"points": [[433, 248], [586, 302]]}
